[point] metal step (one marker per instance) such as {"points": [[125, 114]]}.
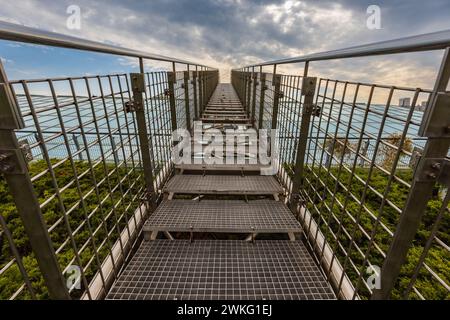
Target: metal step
{"points": [[221, 270], [223, 102], [225, 120], [222, 167], [223, 112], [223, 184], [224, 106], [236, 216]]}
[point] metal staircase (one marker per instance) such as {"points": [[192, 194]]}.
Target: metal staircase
{"points": [[226, 199]]}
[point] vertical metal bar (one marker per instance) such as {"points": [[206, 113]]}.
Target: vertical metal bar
{"points": [[244, 89], [249, 93], [205, 92], [308, 91], [138, 87], [436, 148], [194, 87], [171, 78], [255, 84], [261, 99], [200, 92], [18, 178], [276, 99], [186, 100]]}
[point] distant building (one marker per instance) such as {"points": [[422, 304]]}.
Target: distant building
{"points": [[422, 106], [404, 102]]}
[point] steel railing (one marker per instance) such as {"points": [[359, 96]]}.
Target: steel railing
{"points": [[83, 162], [367, 178]]}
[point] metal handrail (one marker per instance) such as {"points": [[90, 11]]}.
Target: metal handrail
{"points": [[424, 42], [15, 32]]}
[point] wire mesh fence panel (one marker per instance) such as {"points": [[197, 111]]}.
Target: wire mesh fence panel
{"points": [[268, 103], [289, 113], [362, 148], [18, 274], [180, 106], [191, 99], [85, 169], [82, 141], [158, 119], [360, 166]]}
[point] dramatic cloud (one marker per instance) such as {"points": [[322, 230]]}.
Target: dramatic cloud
{"points": [[232, 33]]}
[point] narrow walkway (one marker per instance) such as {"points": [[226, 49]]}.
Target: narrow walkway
{"points": [[202, 201]]}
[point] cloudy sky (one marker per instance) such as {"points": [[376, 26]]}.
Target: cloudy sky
{"points": [[226, 34]]}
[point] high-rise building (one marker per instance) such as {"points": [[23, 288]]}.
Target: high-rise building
{"points": [[404, 102]]}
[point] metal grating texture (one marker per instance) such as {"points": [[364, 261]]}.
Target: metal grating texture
{"points": [[222, 167], [221, 184], [263, 216], [221, 270], [225, 120]]}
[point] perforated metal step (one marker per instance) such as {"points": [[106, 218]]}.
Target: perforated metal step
{"points": [[222, 167], [221, 269], [223, 184], [237, 216], [224, 120], [224, 114], [224, 107]]}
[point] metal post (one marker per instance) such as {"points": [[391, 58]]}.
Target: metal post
{"points": [[171, 79], [274, 72], [308, 91], [205, 88], [186, 100], [138, 87], [15, 170], [255, 84], [200, 92], [262, 80], [276, 99], [194, 87], [248, 78], [430, 169], [242, 87]]}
